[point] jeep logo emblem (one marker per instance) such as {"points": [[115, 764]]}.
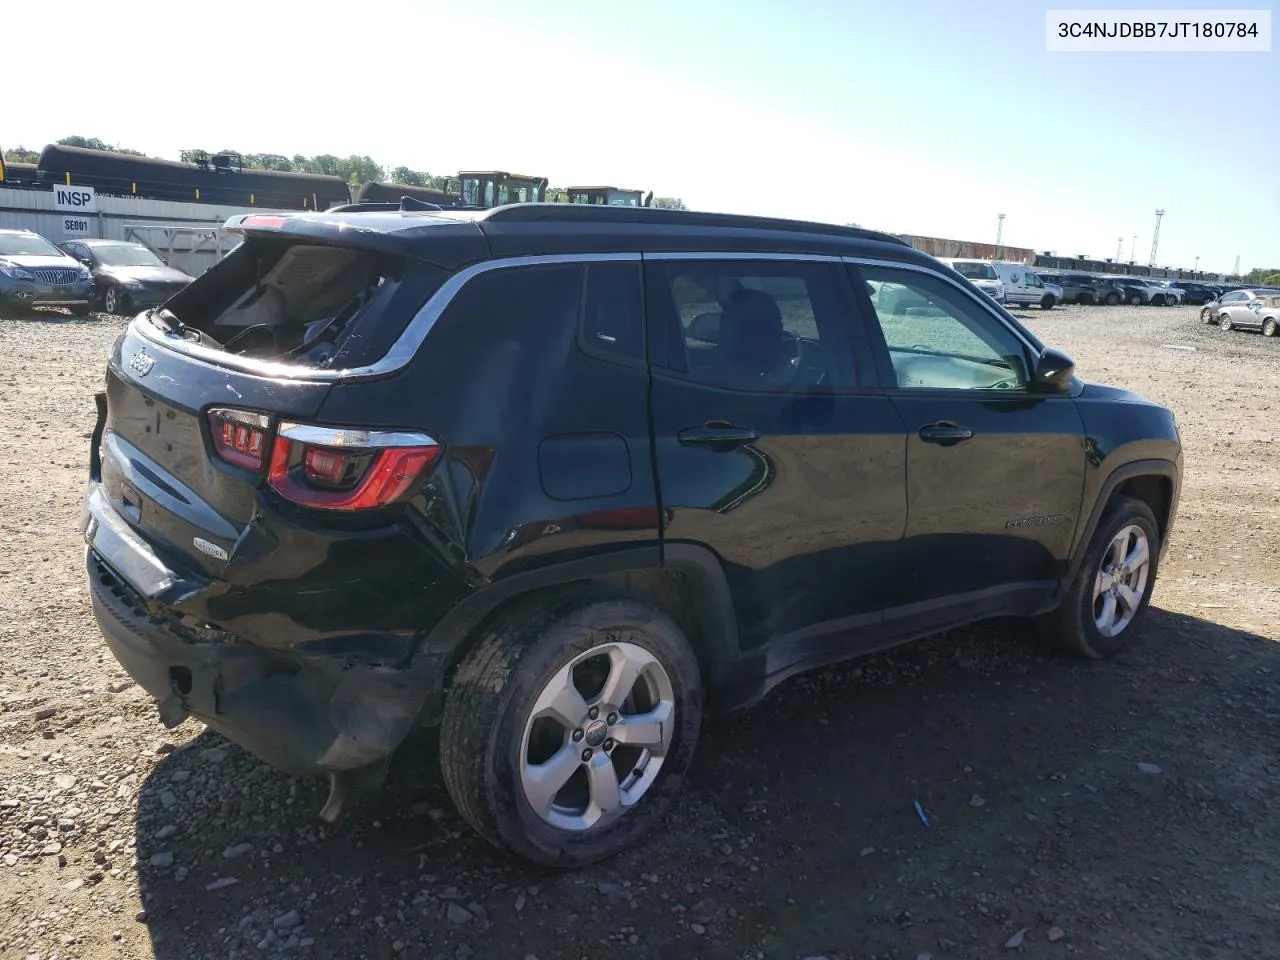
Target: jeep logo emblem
{"points": [[141, 363]]}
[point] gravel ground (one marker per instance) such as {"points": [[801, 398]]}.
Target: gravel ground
{"points": [[1119, 809]]}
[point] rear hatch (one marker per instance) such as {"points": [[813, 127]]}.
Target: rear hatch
{"points": [[196, 390]]}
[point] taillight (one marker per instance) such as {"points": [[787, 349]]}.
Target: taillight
{"points": [[239, 437], [336, 469]]}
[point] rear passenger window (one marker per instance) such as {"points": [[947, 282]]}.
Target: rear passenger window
{"points": [[758, 325], [613, 311]]}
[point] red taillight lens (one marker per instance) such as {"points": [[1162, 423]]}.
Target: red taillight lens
{"points": [[239, 436], [334, 469]]}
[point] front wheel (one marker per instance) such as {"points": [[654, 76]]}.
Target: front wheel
{"points": [[569, 727], [1112, 299], [1047, 302], [1085, 299], [115, 301], [1134, 300], [1206, 315], [1158, 300], [1111, 592], [1224, 322]]}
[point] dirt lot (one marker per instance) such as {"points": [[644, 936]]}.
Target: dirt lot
{"points": [[797, 835]]}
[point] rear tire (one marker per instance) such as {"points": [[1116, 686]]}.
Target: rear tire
{"points": [[506, 730], [1268, 327], [1134, 300], [1158, 300], [1113, 298], [1074, 626]]}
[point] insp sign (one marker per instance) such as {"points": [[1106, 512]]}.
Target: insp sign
{"points": [[79, 199]]}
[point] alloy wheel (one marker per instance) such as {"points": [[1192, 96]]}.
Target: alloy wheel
{"points": [[1121, 581], [597, 736]]}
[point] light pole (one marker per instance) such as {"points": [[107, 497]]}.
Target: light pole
{"points": [[1119, 248], [1196, 268], [1155, 237], [1133, 247], [999, 231]]}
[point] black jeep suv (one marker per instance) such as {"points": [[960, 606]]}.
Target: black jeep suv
{"points": [[559, 478]]}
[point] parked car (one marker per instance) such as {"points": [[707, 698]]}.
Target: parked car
{"points": [[1074, 289], [1212, 311], [1257, 309], [35, 273], [127, 276], [980, 273], [1023, 288], [544, 476], [1109, 290], [1195, 292], [1136, 291], [1163, 293]]}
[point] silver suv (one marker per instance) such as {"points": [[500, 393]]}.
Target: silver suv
{"points": [[35, 273]]}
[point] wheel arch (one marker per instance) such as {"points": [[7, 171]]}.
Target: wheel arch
{"points": [[684, 580], [1154, 482]]}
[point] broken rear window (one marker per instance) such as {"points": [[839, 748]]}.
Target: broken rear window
{"points": [[294, 301]]}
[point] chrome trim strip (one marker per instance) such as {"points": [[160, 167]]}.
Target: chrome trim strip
{"points": [[406, 345], [977, 296], [743, 255], [360, 439]]}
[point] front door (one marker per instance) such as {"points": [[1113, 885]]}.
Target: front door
{"points": [[995, 473], [769, 449]]}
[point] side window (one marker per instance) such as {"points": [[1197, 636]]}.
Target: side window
{"points": [[613, 311], [1033, 280], [758, 325], [938, 338], [1233, 297]]}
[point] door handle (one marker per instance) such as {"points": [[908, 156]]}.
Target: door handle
{"points": [[718, 436], [945, 433]]}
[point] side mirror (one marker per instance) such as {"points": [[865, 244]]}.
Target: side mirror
{"points": [[1053, 372]]}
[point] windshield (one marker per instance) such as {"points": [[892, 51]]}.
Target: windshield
{"points": [[972, 270], [27, 245], [131, 255]]}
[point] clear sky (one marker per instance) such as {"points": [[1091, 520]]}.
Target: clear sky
{"points": [[918, 116]]}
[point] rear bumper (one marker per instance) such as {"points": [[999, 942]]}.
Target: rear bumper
{"points": [[300, 713]]}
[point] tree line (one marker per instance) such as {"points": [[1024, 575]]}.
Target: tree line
{"points": [[354, 169]]}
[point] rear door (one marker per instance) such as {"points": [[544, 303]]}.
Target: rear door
{"points": [[773, 447], [995, 473]]}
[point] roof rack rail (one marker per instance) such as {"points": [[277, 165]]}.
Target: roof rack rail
{"points": [[570, 212]]}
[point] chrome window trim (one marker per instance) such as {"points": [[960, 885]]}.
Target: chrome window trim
{"points": [[743, 255], [975, 295], [358, 439], [406, 346]]}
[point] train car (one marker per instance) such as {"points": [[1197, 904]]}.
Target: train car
{"points": [[372, 191], [219, 179], [20, 175]]}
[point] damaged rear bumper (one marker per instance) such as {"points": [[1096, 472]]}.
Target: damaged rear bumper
{"points": [[301, 713]]}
